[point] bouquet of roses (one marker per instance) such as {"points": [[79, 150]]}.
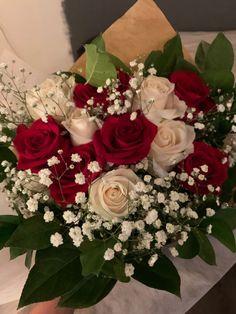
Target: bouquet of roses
{"points": [[110, 174]]}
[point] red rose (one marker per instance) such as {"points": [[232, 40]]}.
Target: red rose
{"points": [[215, 173], [37, 143], [84, 92], [190, 88], [65, 189], [122, 141]]}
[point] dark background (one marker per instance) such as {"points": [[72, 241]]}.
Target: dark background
{"points": [[87, 18]]}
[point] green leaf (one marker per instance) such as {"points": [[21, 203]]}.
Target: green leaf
{"points": [[8, 225], [183, 65], [228, 215], [172, 52], [201, 55], [33, 233], [118, 63], [206, 251], [89, 291], [28, 259], [115, 269], [220, 55], [56, 271], [222, 232], [229, 186], [152, 61], [190, 249], [163, 275], [98, 66], [99, 43], [92, 256], [6, 154], [165, 62], [15, 252], [219, 79]]}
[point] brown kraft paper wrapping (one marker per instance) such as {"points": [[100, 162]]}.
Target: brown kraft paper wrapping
{"points": [[140, 30]]}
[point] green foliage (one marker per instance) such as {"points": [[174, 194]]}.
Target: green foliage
{"points": [[152, 61], [15, 252], [220, 54], [28, 258], [6, 154], [98, 66], [190, 249], [118, 63], [219, 79], [166, 61], [115, 269], [228, 187], [216, 60], [228, 215], [92, 256], [163, 275], [87, 292], [201, 54], [33, 234], [100, 44], [8, 225], [206, 251], [222, 232], [56, 271], [183, 65]]}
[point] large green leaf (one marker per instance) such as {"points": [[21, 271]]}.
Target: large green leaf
{"points": [[183, 65], [33, 233], [201, 55], [190, 249], [152, 61], [220, 54], [172, 52], [87, 292], [115, 269], [229, 186], [99, 43], [219, 79], [56, 271], [222, 232], [206, 251], [92, 256], [98, 66], [228, 215], [163, 275], [8, 225], [15, 252], [165, 62]]}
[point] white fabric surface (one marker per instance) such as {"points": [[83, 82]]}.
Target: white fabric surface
{"points": [[35, 31]]}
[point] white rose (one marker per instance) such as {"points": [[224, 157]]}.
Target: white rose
{"points": [[158, 101], [52, 97], [80, 126], [173, 143], [109, 195]]}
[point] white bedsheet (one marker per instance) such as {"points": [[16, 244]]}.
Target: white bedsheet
{"points": [[24, 38]]}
